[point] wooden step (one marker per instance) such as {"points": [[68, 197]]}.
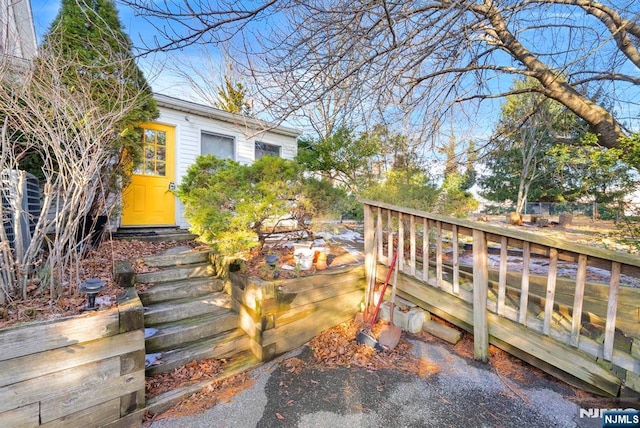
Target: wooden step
{"points": [[239, 363], [178, 333], [198, 270], [172, 259], [181, 289], [175, 310], [154, 234], [222, 346]]}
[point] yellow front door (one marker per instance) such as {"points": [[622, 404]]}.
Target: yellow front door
{"points": [[148, 200]]}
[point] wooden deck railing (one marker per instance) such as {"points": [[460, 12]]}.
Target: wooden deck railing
{"points": [[578, 297]]}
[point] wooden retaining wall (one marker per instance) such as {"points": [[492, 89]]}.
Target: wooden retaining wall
{"points": [[84, 371], [281, 315]]}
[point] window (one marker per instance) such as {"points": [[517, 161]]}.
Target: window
{"points": [[220, 146], [154, 149], [264, 149]]}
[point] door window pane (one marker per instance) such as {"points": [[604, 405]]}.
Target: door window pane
{"points": [[154, 153], [161, 169], [220, 146], [149, 168], [149, 152]]}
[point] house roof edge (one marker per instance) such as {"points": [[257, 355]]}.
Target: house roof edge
{"points": [[207, 111]]}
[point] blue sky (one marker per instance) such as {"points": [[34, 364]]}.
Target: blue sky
{"points": [[157, 68]]}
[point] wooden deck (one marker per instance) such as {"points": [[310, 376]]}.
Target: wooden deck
{"points": [[580, 323]]}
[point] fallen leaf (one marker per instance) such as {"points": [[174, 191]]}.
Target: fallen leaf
{"points": [[279, 416]]}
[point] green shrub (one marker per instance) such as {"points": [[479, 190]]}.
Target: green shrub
{"points": [[330, 202], [408, 188], [235, 207]]}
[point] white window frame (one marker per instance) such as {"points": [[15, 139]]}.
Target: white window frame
{"points": [[222, 136]]}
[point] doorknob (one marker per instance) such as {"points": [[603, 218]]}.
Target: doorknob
{"points": [[172, 186]]}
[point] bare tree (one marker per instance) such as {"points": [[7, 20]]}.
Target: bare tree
{"points": [[427, 55], [73, 133], [325, 95], [339, 106], [202, 73]]}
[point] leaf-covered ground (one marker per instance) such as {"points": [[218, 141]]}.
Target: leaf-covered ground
{"points": [[98, 263]]}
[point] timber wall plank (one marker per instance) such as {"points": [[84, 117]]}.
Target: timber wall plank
{"points": [[43, 363], [311, 315], [84, 396], [288, 303], [58, 383], [281, 315], [309, 328], [22, 417], [39, 337], [95, 416], [322, 280], [82, 371]]}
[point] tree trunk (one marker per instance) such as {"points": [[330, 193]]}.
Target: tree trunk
{"points": [[521, 198], [553, 83]]}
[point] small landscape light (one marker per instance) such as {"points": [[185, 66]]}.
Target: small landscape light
{"points": [[91, 287]]}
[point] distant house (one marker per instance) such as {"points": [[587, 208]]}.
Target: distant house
{"points": [[183, 131]]}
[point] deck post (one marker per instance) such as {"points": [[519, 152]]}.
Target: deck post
{"points": [[480, 289], [379, 242], [369, 232], [612, 306]]}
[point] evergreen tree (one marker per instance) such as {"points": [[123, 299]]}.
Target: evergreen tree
{"points": [[529, 161], [89, 36], [231, 98], [594, 172], [455, 198], [519, 165], [341, 157]]}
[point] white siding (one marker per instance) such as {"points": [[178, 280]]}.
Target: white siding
{"points": [[17, 33], [189, 127]]}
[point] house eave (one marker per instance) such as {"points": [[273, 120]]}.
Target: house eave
{"points": [[189, 107]]}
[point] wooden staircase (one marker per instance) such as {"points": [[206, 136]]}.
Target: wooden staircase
{"points": [[187, 314]]}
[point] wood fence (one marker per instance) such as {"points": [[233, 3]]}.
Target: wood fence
{"points": [[572, 310]]}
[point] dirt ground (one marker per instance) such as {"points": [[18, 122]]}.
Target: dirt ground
{"points": [[98, 263], [255, 264]]}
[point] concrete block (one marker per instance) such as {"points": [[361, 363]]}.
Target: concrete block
{"points": [[411, 320]]}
